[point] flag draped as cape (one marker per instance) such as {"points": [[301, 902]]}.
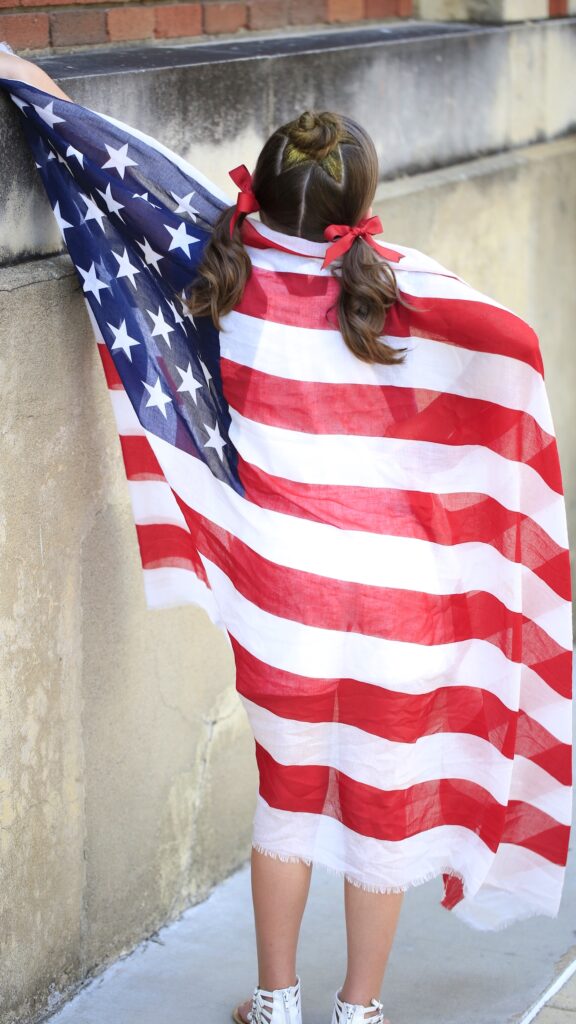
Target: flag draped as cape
{"points": [[384, 546]]}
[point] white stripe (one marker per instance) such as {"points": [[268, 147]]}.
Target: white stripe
{"points": [[425, 669], [387, 863], [535, 786], [417, 275], [302, 247], [522, 882], [357, 556], [519, 884], [355, 460], [388, 765], [301, 353], [319, 653], [552, 711], [171, 586], [153, 502], [395, 562]]}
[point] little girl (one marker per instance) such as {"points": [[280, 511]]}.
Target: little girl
{"points": [[392, 567]]}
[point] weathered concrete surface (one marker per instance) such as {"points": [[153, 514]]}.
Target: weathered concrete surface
{"points": [[483, 10], [117, 806], [428, 100]]}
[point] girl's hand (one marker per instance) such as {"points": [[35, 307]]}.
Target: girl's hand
{"points": [[20, 70]]}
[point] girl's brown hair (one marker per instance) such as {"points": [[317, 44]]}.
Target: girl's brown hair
{"points": [[319, 169]]}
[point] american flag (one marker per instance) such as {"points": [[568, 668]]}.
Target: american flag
{"points": [[384, 546]]}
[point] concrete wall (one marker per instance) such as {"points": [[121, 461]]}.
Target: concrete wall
{"points": [[127, 774], [118, 803]]}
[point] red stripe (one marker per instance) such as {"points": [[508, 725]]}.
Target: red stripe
{"points": [[454, 518], [309, 301], [388, 411], [395, 814], [139, 459], [298, 300], [438, 518], [163, 544], [389, 613], [470, 324], [401, 717], [113, 378]]}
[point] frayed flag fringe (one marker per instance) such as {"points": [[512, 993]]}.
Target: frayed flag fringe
{"points": [[387, 890]]}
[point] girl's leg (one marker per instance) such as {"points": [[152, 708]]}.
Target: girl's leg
{"points": [[371, 920], [279, 893]]}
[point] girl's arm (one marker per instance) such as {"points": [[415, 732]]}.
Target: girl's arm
{"points": [[20, 70]]}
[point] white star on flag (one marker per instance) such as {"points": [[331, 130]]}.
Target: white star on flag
{"points": [[113, 206], [180, 238], [125, 268], [93, 211], [91, 282], [215, 440], [161, 327], [150, 256], [47, 114], [189, 382], [144, 197], [62, 224], [122, 339], [205, 371], [63, 160], [119, 159], [157, 396], [177, 318], [184, 301], [75, 153], [184, 204]]}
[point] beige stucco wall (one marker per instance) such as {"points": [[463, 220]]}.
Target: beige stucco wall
{"points": [[127, 774]]}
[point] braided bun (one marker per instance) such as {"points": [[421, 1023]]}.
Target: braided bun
{"points": [[316, 137]]}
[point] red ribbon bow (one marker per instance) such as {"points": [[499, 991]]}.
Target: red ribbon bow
{"points": [[347, 235], [246, 201]]}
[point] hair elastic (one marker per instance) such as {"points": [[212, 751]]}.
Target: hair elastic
{"points": [[246, 201], [347, 235]]}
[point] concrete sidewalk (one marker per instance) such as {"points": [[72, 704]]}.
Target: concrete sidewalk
{"points": [[439, 971], [561, 1007]]}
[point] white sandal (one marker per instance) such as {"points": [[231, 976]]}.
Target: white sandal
{"points": [[353, 1013], [278, 1006]]}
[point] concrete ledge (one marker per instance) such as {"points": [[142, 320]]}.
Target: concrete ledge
{"points": [[484, 10], [429, 97]]}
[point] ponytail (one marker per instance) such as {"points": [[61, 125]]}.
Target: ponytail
{"points": [[223, 271], [368, 288]]}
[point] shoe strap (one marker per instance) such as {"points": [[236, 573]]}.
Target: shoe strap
{"points": [[346, 1011], [263, 1002]]}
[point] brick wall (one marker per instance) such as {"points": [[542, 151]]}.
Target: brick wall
{"points": [[56, 25]]}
